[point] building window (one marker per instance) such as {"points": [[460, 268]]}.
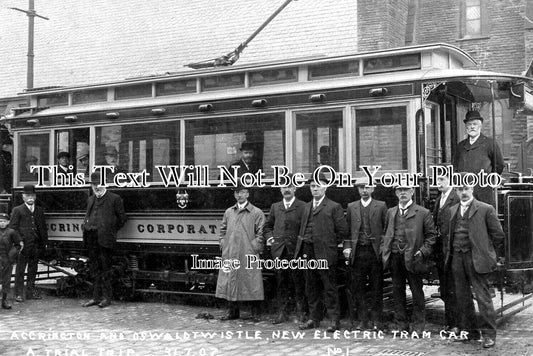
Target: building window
{"points": [[474, 19]]}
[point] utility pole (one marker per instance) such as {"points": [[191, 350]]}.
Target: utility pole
{"points": [[31, 29]]}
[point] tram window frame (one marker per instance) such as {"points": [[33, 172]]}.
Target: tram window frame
{"points": [[313, 69], [231, 141], [407, 130], [51, 100], [141, 149], [137, 91], [22, 147], [89, 96], [63, 144], [314, 151]]}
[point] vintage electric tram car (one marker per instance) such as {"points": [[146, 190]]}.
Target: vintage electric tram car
{"points": [[401, 109]]}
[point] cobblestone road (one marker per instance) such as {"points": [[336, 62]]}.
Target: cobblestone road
{"points": [[57, 326]]}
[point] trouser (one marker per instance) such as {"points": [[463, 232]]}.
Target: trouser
{"points": [[234, 307], [367, 269], [6, 269], [100, 266], [27, 257], [320, 281], [467, 280], [447, 289], [290, 283], [399, 275]]}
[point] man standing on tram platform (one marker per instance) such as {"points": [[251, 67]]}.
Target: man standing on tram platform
{"points": [[408, 241], [104, 217], [366, 220], [478, 152], [323, 227], [281, 228], [476, 239], [248, 162], [441, 216], [241, 236], [28, 220]]}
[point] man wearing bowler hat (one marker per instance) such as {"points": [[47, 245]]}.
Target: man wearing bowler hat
{"points": [[322, 228], [10, 245], [63, 163], [408, 241], [241, 237], [366, 220], [248, 162], [28, 220], [104, 217], [478, 152]]}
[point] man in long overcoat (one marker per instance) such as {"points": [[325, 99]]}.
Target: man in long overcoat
{"points": [[476, 239], [281, 228], [323, 227], [104, 217], [478, 152], [28, 220], [241, 237], [366, 221], [408, 241]]}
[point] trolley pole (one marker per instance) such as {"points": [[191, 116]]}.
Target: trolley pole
{"points": [[31, 30]]}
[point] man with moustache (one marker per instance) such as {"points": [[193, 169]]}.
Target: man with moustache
{"points": [[28, 221], [441, 216], [323, 227], [104, 217], [478, 152], [366, 219], [281, 230], [408, 241], [476, 239], [241, 235], [248, 162]]}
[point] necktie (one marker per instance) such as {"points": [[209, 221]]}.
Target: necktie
{"points": [[403, 211], [442, 201], [287, 206], [464, 208], [315, 205]]}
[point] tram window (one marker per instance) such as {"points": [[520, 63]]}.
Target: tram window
{"points": [[273, 76], [381, 137], [223, 81], [133, 148], [133, 91], [75, 143], [392, 63], [176, 87], [336, 69], [89, 96], [34, 150], [52, 100], [319, 140], [218, 141]]}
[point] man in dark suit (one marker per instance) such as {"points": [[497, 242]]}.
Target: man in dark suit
{"points": [[476, 239], [478, 152], [281, 231], [105, 216], [248, 162], [441, 216], [28, 220], [323, 227], [408, 242], [366, 220]]}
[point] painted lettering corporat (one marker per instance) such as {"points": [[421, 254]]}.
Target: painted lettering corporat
{"points": [[166, 230]]}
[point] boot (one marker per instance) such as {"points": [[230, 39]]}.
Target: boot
{"points": [[301, 310], [5, 303]]}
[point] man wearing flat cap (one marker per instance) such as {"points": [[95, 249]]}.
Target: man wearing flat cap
{"points": [[408, 241], [10, 245], [241, 235], [248, 162], [104, 217], [322, 228], [28, 220], [476, 240], [478, 152], [366, 220]]}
